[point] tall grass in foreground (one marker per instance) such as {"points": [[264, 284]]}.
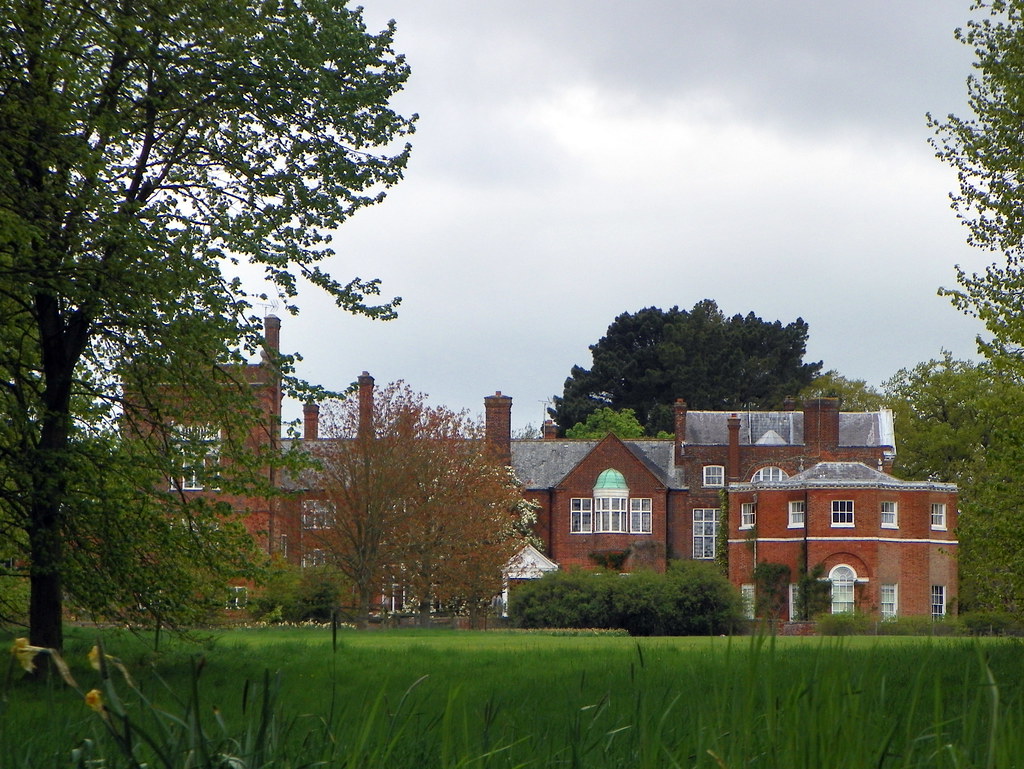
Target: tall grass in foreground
{"points": [[466, 700]]}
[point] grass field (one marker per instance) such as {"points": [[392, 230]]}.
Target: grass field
{"points": [[450, 699]]}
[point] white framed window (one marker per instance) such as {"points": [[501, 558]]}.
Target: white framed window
{"points": [[842, 512], [797, 513], [314, 558], [282, 545], [640, 516], [705, 532], [748, 596], [842, 578], [199, 447], [794, 599], [317, 514], [581, 515], [888, 603], [889, 516], [714, 475], [766, 474], [748, 515], [238, 597], [938, 601], [610, 515], [938, 515]]}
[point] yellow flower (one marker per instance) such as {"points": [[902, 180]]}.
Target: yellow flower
{"points": [[94, 657], [25, 654], [94, 700]]}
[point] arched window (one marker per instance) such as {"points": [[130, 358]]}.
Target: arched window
{"points": [[842, 578], [769, 474], [610, 495]]}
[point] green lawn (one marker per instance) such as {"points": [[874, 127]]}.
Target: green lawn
{"points": [[398, 699]]}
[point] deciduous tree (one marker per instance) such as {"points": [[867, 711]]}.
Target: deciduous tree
{"points": [[853, 394], [600, 423], [963, 422], [147, 148], [987, 150], [648, 359], [418, 500]]}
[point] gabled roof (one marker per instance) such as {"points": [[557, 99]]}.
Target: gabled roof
{"points": [[786, 428], [844, 475], [542, 464], [528, 563]]}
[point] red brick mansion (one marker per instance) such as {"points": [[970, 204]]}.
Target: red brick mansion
{"points": [[803, 488], [806, 489]]}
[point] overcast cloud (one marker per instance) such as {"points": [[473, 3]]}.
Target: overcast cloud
{"points": [[574, 161]]}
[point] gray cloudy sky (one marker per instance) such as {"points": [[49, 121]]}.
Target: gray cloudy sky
{"points": [[574, 161]]}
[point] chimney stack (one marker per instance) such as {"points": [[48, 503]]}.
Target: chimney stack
{"points": [[549, 431], [821, 425], [734, 447], [365, 405], [272, 334], [310, 421], [498, 426]]}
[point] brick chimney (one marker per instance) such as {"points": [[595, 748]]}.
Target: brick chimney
{"points": [[679, 412], [272, 334], [549, 430], [821, 424], [310, 421], [734, 447], [365, 404], [498, 426]]}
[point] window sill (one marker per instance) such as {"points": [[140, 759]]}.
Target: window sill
{"points": [[795, 526], [844, 525], [939, 528], [890, 525]]}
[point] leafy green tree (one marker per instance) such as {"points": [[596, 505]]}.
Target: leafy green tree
{"points": [[987, 150], [600, 423], [964, 422], [648, 359], [853, 394], [146, 149]]}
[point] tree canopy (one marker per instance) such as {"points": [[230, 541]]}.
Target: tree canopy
{"points": [[853, 394], [962, 422], [987, 150], [648, 359], [600, 423], [418, 500], [147, 150]]}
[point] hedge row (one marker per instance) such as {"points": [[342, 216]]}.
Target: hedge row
{"points": [[691, 598]]}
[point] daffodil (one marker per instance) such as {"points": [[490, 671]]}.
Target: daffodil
{"points": [[94, 699], [96, 661], [26, 654]]}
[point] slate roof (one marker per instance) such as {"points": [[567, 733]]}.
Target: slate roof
{"points": [[786, 428], [845, 475], [542, 464]]}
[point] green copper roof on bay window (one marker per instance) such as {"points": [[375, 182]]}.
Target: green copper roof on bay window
{"points": [[610, 479]]}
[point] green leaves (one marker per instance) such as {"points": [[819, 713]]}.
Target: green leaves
{"points": [[146, 149], [650, 358]]}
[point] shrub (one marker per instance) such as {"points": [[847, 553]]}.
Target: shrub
{"points": [[843, 624], [292, 594], [990, 623], [689, 599]]}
